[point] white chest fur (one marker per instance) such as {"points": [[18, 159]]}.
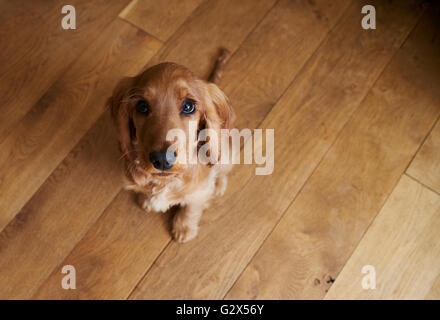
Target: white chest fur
{"points": [[162, 198]]}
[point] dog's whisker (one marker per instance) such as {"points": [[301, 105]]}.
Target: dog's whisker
{"points": [[126, 154]]}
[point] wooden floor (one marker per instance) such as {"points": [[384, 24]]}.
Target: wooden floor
{"points": [[357, 151]]}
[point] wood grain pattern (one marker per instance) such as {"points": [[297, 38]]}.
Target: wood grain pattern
{"points": [[352, 110], [65, 199], [426, 165], [59, 214], [159, 18], [67, 110], [320, 230], [120, 253], [396, 245], [96, 284], [36, 50], [434, 292], [214, 24], [307, 119], [274, 53], [100, 286]]}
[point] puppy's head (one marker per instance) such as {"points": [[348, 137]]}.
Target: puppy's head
{"points": [[164, 97]]}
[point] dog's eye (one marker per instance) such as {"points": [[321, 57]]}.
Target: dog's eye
{"points": [[188, 106], [142, 107]]}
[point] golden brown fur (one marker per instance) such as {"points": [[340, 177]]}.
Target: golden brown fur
{"points": [[190, 186]]}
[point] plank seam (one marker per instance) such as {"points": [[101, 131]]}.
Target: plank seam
{"points": [[292, 83], [86, 231], [325, 154], [421, 145], [148, 269], [62, 72], [232, 54], [62, 160], [56, 79], [398, 180], [141, 29], [121, 189], [421, 183], [133, 3]]}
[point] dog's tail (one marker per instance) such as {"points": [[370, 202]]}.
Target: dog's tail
{"points": [[217, 73]]}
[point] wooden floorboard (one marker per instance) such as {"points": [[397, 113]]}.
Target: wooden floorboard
{"points": [[356, 117], [307, 120], [212, 25], [322, 227], [146, 249], [159, 18], [274, 53], [66, 111], [59, 214], [395, 246], [434, 292], [44, 138], [426, 165], [109, 189], [126, 241], [36, 50]]}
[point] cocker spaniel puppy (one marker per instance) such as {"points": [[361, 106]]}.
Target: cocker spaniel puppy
{"points": [[145, 109]]}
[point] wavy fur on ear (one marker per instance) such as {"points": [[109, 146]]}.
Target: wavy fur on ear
{"points": [[224, 113], [218, 114], [121, 116]]}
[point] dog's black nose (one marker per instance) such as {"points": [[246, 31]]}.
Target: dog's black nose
{"points": [[163, 160]]}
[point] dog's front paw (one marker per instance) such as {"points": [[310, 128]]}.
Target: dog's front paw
{"points": [[143, 202], [183, 232], [220, 186]]}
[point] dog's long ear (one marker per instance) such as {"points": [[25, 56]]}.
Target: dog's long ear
{"points": [[219, 113], [121, 117]]}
